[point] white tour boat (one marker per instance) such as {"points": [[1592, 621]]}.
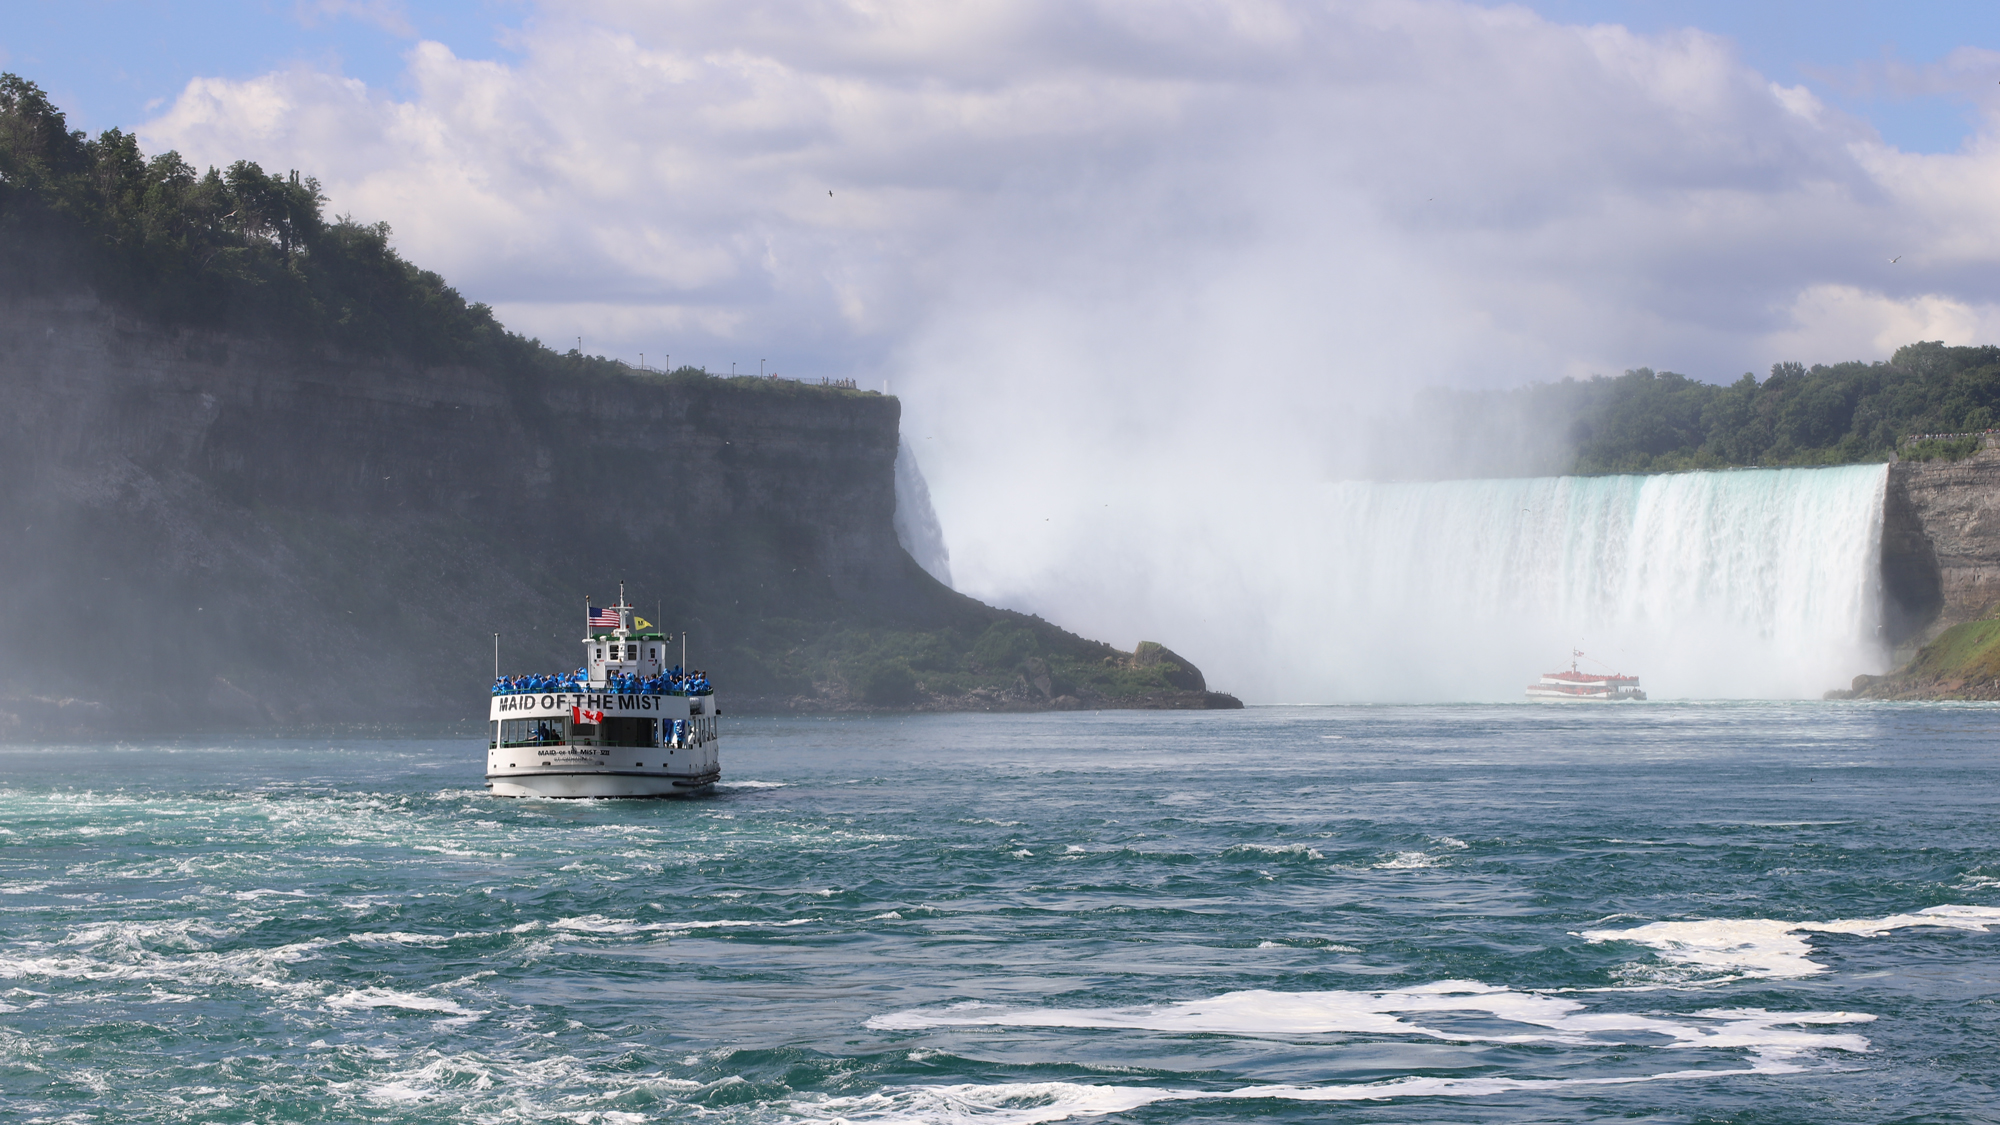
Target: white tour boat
{"points": [[1585, 686], [626, 724]]}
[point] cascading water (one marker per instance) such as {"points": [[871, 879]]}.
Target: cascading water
{"points": [[1749, 583], [916, 524]]}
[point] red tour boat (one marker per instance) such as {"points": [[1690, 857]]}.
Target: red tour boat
{"points": [[1585, 686]]}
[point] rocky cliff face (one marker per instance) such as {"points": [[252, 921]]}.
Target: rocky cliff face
{"points": [[204, 527], [209, 530], [1940, 544], [1940, 577]]}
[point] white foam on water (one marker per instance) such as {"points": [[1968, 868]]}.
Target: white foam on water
{"points": [[1033, 1103], [117, 952], [1946, 917], [1721, 949], [397, 937], [1728, 949], [1301, 851], [1537, 1018], [749, 784], [365, 998], [599, 924], [1408, 861]]}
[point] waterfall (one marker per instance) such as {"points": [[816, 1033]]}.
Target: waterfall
{"points": [[916, 523], [1740, 584]]}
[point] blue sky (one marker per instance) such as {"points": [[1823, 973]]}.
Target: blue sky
{"points": [[115, 63], [1826, 46]]}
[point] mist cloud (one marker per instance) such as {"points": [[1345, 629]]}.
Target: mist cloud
{"points": [[1140, 270]]}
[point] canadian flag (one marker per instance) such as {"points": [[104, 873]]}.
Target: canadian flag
{"points": [[580, 715]]}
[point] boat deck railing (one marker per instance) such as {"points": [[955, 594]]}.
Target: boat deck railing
{"points": [[569, 685]]}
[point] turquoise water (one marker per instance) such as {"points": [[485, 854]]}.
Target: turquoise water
{"points": [[1767, 913]]}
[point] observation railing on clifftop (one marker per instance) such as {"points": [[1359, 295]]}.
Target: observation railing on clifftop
{"points": [[844, 384], [1912, 439]]}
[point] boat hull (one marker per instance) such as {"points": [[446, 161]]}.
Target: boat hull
{"points": [[600, 785], [628, 746], [1544, 695]]}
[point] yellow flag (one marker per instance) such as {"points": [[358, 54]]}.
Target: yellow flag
{"points": [[643, 623]]}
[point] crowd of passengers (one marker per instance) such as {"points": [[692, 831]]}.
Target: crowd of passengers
{"points": [[671, 682]]}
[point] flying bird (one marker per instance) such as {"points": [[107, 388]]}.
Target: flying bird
{"points": [[1895, 259]]}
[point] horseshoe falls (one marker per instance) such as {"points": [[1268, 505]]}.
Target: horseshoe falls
{"points": [[1740, 584]]}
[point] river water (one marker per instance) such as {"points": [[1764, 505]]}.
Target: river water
{"points": [[1661, 912]]}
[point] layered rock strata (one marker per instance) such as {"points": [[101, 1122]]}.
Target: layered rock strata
{"points": [[1940, 577]]}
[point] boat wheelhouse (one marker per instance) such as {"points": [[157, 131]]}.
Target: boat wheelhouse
{"points": [[1579, 686], [625, 724]]}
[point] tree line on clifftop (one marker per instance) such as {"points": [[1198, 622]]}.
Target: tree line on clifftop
{"points": [[236, 249], [1927, 401]]}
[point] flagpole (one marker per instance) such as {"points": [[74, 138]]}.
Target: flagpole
{"points": [[496, 656]]}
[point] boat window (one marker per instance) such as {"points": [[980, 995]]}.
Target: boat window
{"points": [[600, 652], [620, 731], [631, 652], [533, 732]]}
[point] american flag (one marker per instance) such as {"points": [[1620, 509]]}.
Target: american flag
{"points": [[605, 617]]}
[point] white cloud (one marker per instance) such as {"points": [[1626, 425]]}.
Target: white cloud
{"points": [[1831, 323], [1125, 261]]}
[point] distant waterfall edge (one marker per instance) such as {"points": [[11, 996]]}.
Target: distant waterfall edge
{"points": [[1749, 583]]}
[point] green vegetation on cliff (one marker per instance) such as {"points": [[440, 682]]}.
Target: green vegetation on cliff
{"points": [[238, 250], [1963, 662], [1014, 663], [1646, 421], [228, 248]]}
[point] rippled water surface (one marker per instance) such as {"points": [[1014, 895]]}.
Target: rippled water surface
{"points": [[1765, 913]]}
